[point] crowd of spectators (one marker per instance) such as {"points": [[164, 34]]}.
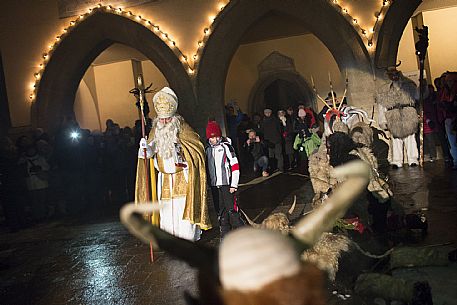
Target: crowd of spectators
{"points": [[76, 171], [440, 124], [271, 141]]}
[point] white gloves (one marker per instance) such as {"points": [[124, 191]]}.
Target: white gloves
{"points": [[149, 150]]}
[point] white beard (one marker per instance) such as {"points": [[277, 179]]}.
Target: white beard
{"points": [[166, 135]]}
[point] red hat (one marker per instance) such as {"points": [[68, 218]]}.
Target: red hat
{"points": [[213, 130]]}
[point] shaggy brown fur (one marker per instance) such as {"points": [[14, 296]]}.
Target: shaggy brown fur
{"points": [[361, 133], [276, 221], [319, 171], [402, 122], [304, 288], [326, 252]]}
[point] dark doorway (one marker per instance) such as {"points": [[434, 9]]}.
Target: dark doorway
{"points": [[282, 94]]}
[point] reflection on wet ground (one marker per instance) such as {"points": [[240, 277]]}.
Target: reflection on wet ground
{"points": [[100, 263]]}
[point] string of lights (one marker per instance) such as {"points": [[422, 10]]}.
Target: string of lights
{"points": [[368, 35], [189, 65]]}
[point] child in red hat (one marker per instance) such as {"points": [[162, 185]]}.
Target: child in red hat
{"points": [[223, 176]]}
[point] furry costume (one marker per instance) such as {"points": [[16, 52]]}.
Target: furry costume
{"points": [[361, 133], [326, 253], [396, 108], [396, 113]]}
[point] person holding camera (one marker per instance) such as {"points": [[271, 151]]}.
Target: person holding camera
{"points": [[256, 148]]}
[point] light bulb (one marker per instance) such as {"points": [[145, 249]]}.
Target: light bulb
{"points": [[138, 17], [37, 76], [345, 11], [32, 96], [195, 57], [183, 58], [171, 43], [119, 10], [354, 21], [206, 31], [164, 35], [72, 23], [156, 28], [200, 44], [190, 71], [211, 18], [81, 17]]}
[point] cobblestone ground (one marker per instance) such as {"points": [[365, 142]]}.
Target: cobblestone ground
{"points": [[100, 263]]}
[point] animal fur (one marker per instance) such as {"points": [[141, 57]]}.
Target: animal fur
{"points": [[361, 133], [326, 253], [402, 122], [276, 221], [304, 288], [401, 116], [319, 170]]}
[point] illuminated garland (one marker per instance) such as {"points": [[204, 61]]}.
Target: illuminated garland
{"points": [[190, 64], [367, 34], [190, 69]]}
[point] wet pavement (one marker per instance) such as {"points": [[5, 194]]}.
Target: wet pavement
{"points": [[98, 262]]}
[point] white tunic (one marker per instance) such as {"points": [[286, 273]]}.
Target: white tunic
{"points": [[172, 210]]}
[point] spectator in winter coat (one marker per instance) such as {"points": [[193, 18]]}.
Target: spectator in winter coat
{"points": [[272, 136], [223, 176], [255, 147]]}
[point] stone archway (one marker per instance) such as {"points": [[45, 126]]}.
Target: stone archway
{"points": [[392, 29], [338, 36], [79, 48], [274, 67]]}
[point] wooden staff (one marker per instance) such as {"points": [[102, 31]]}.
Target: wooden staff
{"points": [[331, 90], [318, 96], [345, 91], [147, 169]]}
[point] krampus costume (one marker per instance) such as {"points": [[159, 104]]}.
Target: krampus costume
{"points": [[396, 113], [255, 266]]}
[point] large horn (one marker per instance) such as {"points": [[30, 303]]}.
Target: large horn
{"points": [[310, 228], [250, 221], [292, 208], [196, 255]]}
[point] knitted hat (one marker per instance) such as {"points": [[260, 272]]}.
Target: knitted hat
{"points": [[251, 258], [165, 103], [267, 110], [301, 113], [213, 130]]}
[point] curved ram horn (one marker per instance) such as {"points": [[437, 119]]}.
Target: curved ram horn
{"points": [[310, 228], [196, 255], [292, 208], [250, 221]]}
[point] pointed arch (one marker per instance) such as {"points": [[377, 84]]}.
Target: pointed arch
{"points": [[338, 36], [78, 49], [391, 31]]}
